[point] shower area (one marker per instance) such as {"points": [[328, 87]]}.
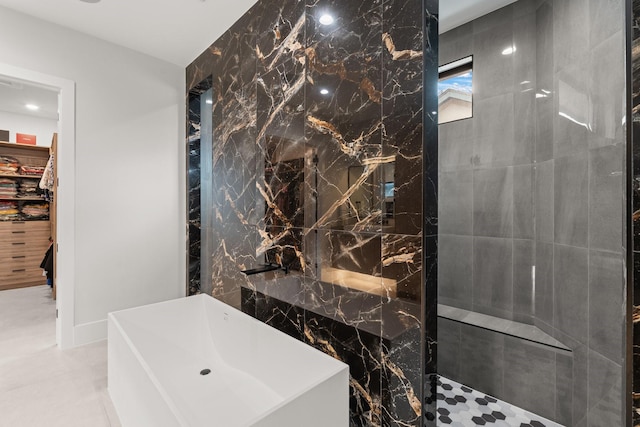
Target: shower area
{"points": [[531, 230]]}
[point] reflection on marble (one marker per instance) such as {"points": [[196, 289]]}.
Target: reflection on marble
{"points": [[317, 165]]}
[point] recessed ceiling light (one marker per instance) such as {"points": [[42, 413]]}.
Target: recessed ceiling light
{"points": [[90, 1], [326, 19], [509, 50], [324, 91], [32, 107]]}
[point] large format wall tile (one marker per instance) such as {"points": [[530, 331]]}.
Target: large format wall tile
{"points": [[493, 129], [544, 295], [403, 77], [606, 226], [456, 213], [492, 69], [564, 389], [551, 112], [605, 391], [525, 27], [544, 201], [571, 200], [455, 270], [529, 376], [449, 354], [361, 351], [483, 360], [570, 24], [402, 266], [493, 202], [571, 295], [607, 79], [343, 97], [523, 275], [545, 40], [493, 276], [606, 308], [456, 149], [572, 118], [523, 201]]}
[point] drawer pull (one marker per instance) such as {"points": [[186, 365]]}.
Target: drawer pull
{"points": [[18, 232], [19, 256], [20, 270], [19, 243]]}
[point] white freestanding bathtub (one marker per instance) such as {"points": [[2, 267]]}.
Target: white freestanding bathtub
{"points": [[259, 376]]}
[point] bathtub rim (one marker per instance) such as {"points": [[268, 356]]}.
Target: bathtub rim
{"points": [[333, 367]]}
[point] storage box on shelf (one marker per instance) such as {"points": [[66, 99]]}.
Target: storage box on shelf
{"points": [[24, 234]]}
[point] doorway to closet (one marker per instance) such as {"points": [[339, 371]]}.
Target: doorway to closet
{"points": [[37, 215]]}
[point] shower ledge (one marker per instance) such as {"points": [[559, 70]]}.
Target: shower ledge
{"points": [[508, 327]]}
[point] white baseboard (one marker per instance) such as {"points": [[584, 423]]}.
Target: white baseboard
{"points": [[90, 332]]}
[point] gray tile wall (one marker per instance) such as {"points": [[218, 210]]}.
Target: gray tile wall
{"points": [[532, 192]]}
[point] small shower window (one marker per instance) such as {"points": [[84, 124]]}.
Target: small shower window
{"points": [[455, 90]]}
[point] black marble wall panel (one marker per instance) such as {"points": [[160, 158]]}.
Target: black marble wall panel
{"points": [[317, 165], [343, 120], [194, 137], [382, 370], [635, 206], [361, 351], [430, 213]]}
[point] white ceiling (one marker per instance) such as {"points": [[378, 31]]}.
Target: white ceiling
{"points": [[16, 94], [454, 13], [176, 31]]}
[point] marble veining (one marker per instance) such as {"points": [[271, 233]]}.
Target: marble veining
{"points": [[317, 164]]}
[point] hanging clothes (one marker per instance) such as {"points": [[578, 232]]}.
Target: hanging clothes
{"points": [[47, 264], [46, 182]]}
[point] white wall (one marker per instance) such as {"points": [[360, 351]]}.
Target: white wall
{"points": [[129, 195], [42, 128]]}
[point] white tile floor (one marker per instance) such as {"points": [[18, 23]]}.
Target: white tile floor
{"points": [[39, 384]]}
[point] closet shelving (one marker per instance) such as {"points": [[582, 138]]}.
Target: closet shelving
{"points": [[23, 240]]}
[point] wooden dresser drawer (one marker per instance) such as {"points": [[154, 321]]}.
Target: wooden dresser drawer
{"points": [[31, 258], [24, 225], [21, 273], [28, 277], [24, 247], [21, 236]]}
